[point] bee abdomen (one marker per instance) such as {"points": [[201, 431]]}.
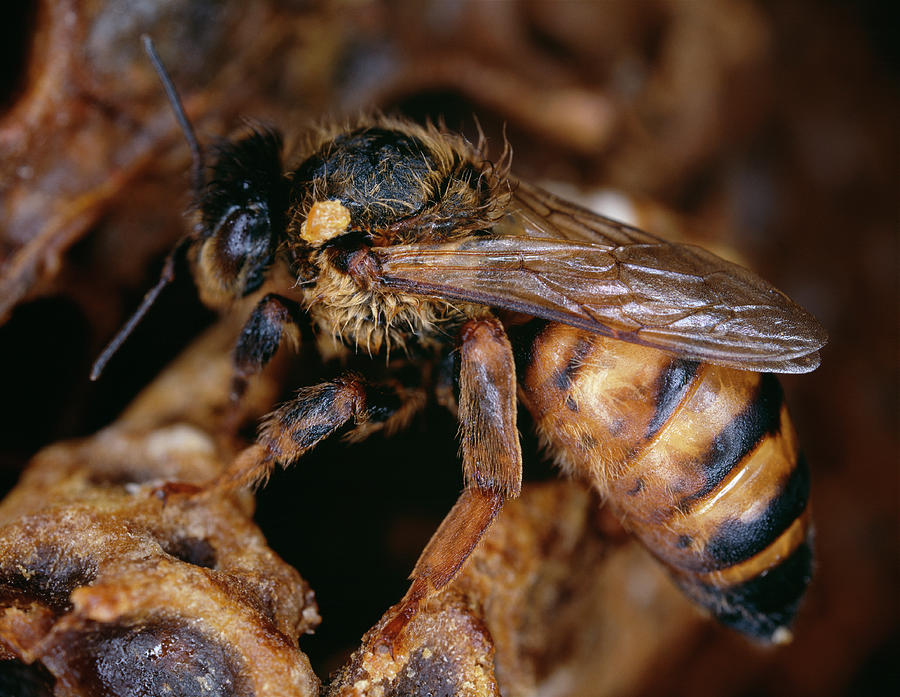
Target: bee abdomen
{"points": [[725, 500], [701, 462], [764, 604]]}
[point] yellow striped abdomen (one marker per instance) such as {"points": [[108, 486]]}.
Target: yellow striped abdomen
{"points": [[700, 461]]}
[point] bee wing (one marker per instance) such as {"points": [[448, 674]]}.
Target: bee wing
{"points": [[534, 212], [636, 288]]}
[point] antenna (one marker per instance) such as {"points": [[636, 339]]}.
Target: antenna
{"points": [[165, 277], [168, 270], [175, 102]]}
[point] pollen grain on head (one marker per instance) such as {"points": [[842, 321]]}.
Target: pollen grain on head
{"points": [[325, 220]]}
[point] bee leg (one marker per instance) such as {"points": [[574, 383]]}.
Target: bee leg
{"points": [[442, 558], [318, 412], [489, 438], [492, 465], [271, 319]]}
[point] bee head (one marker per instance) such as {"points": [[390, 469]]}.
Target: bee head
{"points": [[241, 217]]}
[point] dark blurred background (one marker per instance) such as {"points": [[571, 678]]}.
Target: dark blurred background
{"points": [[770, 128]]}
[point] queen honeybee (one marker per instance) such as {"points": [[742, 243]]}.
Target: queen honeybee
{"points": [[646, 365]]}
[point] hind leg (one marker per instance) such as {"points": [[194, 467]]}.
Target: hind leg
{"points": [[492, 465]]}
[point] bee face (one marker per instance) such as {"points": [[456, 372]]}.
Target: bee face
{"points": [[241, 217]]}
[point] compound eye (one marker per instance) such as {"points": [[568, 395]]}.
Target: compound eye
{"points": [[234, 258], [242, 238]]}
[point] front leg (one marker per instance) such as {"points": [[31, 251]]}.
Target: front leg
{"points": [[273, 318], [492, 463], [318, 412]]}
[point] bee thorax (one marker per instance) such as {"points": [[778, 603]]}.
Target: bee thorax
{"points": [[347, 304]]}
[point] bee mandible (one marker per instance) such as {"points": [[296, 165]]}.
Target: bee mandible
{"points": [[646, 365]]}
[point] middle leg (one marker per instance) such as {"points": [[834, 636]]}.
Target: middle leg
{"points": [[318, 412]]}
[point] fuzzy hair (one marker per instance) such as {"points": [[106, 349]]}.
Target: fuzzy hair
{"points": [[463, 191], [371, 320]]}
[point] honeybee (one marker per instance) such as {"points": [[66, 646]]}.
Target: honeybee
{"points": [[646, 365]]}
